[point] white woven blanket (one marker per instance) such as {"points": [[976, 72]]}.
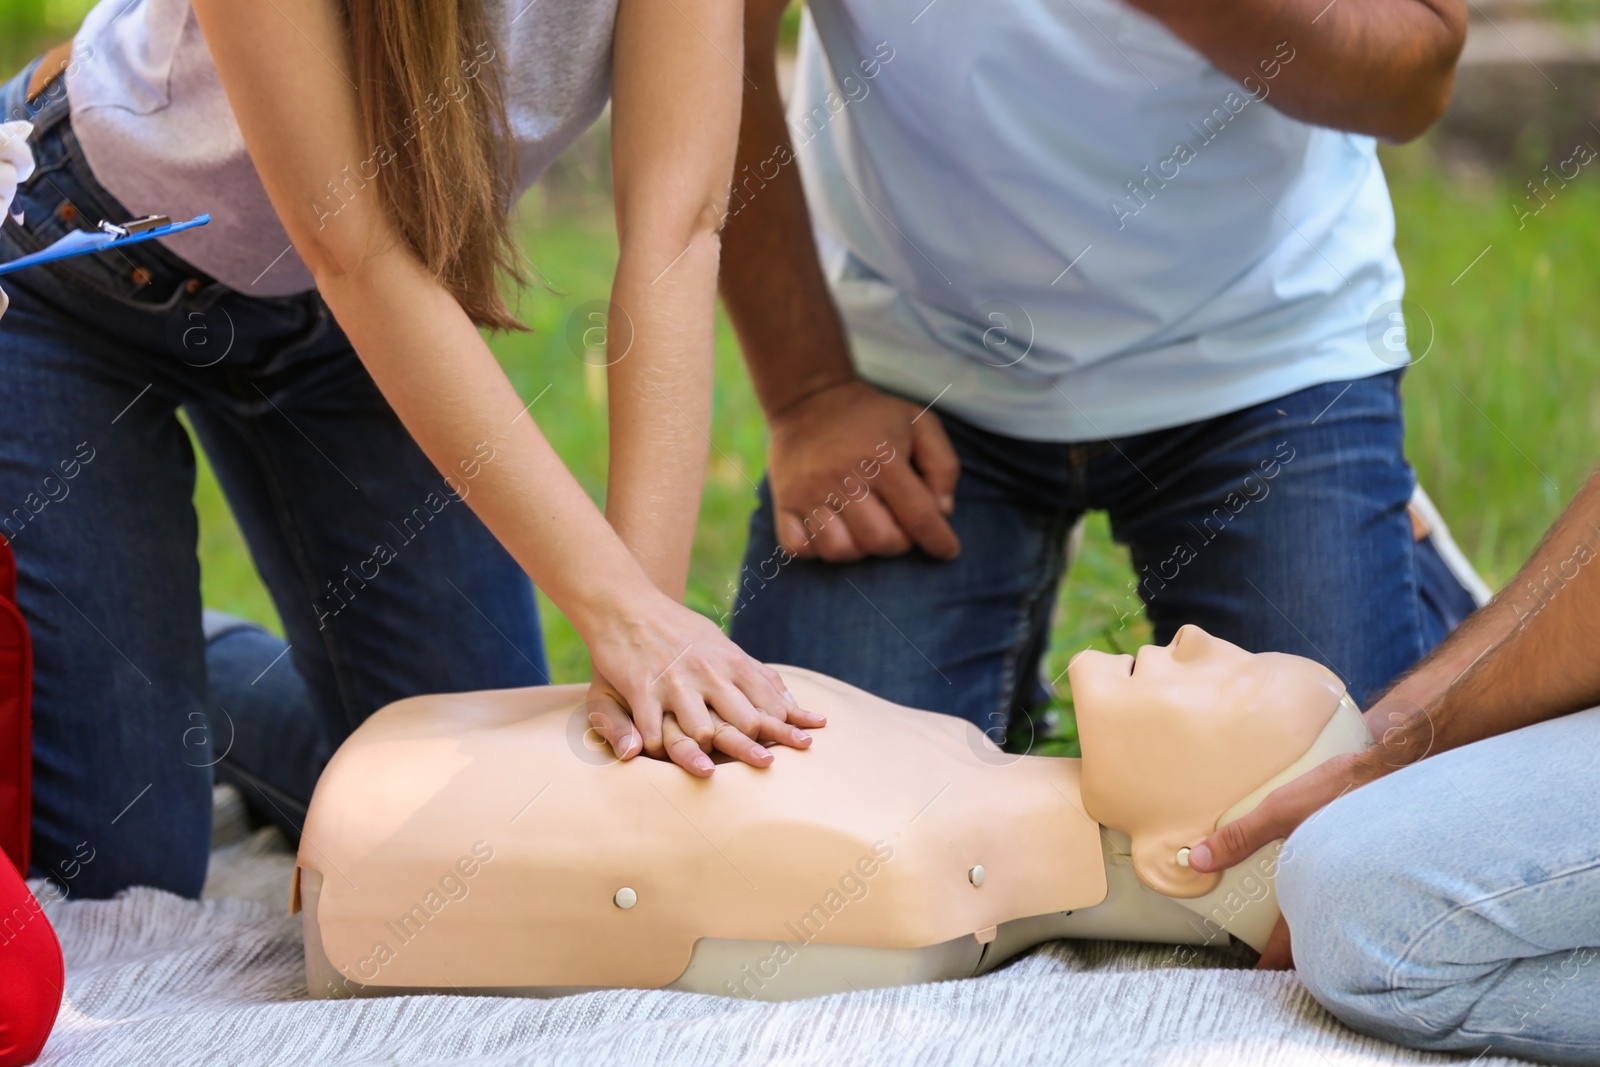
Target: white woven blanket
{"points": [[154, 979]]}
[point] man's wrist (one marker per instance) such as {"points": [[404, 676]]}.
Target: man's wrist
{"points": [[1403, 735], [798, 394]]}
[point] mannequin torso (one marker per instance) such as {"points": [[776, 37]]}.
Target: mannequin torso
{"points": [[482, 841]]}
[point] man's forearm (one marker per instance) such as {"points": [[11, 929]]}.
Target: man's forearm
{"points": [[1526, 657], [1380, 67], [772, 282]]}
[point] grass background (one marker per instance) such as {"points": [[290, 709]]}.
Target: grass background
{"points": [[1502, 413]]}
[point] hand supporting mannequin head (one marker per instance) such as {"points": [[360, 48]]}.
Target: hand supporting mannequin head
{"points": [[1176, 735]]}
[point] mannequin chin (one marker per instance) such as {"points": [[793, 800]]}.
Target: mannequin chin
{"points": [[487, 842]]}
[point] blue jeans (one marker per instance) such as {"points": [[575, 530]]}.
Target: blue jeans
{"points": [[387, 584], [1456, 904], [1280, 527]]}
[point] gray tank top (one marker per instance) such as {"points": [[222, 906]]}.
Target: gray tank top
{"points": [[157, 131]]}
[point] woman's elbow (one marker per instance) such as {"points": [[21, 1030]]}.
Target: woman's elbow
{"points": [[681, 221], [328, 258], [345, 259]]}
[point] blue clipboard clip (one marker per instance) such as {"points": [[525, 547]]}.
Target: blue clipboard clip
{"points": [[110, 235]]}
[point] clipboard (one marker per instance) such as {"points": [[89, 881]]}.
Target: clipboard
{"points": [[109, 236]]}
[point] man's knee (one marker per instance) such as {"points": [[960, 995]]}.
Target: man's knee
{"points": [[1355, 902], [1347, 895], [1326, 878]]}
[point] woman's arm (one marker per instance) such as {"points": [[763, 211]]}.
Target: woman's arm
{"points": [[674, 127], [284, 65]]}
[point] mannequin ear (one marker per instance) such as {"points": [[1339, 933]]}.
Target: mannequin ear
{"points": [[1155, 861]]}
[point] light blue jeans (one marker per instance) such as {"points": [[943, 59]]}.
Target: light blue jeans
{"points": [[1456, 904]]}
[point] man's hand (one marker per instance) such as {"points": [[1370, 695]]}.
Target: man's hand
{"points": [[856, 472], [1278, 816]]}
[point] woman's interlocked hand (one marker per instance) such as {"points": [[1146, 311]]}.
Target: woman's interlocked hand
{"points": [[669, 683]]}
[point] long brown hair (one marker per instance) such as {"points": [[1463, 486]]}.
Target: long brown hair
{"points": [[431, 96]]}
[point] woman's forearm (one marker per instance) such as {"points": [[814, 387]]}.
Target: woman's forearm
{"points": [[445, 385], [660, 405], [672, 154]]}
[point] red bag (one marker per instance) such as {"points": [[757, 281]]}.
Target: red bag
{"points": [[30, 973], [16, 719]]}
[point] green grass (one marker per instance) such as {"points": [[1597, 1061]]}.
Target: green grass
{"points": [[27, 27], [1503, 412]]}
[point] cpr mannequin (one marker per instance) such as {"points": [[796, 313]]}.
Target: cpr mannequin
{"points": [[482, 842]]}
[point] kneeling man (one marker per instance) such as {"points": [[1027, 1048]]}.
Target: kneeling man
{"points": [[1456, 904]]}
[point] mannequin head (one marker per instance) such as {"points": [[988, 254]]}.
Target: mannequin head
{"points": [[1191, 722]]}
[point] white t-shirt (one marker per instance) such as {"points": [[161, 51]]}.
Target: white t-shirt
{"points": [[1067, 225], [158, 133]]}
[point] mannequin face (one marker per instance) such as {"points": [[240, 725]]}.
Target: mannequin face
{"points": [[1193, 675], [1174, 736]]}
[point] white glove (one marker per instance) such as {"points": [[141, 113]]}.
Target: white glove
{"points": [[16, 165]]}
